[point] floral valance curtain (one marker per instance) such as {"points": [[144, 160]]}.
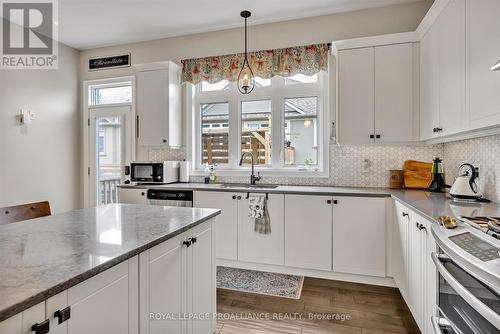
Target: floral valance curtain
{"points": [[307, 60]]}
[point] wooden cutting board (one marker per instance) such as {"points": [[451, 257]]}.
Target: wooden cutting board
{"points": [[417, 174]]}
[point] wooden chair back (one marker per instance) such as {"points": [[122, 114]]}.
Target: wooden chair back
{"points": [[12, 214]]}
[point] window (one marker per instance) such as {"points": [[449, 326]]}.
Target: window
{"points": [[283, 123], [110, 93], [255, 131], [215, 137], [101, 144]]}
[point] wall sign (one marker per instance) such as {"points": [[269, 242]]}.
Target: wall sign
{"points": [[105, 63]]}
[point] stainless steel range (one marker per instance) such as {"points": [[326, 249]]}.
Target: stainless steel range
{"points": [[468, 263]]}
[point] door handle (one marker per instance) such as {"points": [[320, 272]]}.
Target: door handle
{"points": [[42, 327], [62, 315]]}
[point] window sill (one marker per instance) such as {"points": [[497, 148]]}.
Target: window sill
{"points": [[285, 172]]}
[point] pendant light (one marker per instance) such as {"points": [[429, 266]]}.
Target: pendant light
{"points": [[246, 79]]}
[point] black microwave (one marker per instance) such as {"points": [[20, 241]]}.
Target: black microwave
{"points": [[154, 172]]}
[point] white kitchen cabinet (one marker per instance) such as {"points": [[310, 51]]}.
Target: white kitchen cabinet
{"points": [[22, 323], [107, 302], [483, 46], [201, 279], [376, 94], [356, 91], [429, 84], [416, 255], [162, 286], [159, 114], [451, 26], [308, 232], [402, 221], [133, 195], [430, 279], [178, 277], [226, 235], [359, 236], [394, 93], [257, 247]]}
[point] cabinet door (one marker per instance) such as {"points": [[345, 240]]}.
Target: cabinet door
{"points": [[152, 107], [12, 325], [429, 83], [394, 93], [56, 303], [401, 249], [359, 235], [201, 276], [21, 323], [356, 95], [416, 273], [262, 248], [133, 196], [105, 303], [430, 278], [226, 228], [162, 286], [308, 232], [483, 47], [451, 25]]}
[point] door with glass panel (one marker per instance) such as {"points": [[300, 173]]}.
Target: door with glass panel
{"points": [[110, 150]]}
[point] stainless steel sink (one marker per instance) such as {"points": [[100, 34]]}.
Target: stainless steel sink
{"points": [[248, 186]]}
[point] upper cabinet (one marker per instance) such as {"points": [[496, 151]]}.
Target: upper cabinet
{"points": [[159, 117], [442, 74], [376, 90], [483, 45], [459, 91]]}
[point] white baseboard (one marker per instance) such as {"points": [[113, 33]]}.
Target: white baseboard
{"points": [[381, 281]]}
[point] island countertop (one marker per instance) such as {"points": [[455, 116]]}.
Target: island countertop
{"points": [[42, 257]]}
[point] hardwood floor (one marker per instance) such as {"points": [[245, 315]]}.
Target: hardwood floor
{"points": [[366, 309]]}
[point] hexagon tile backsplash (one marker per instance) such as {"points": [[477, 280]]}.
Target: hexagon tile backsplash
{"points": [[481, 152], [369, 165]]}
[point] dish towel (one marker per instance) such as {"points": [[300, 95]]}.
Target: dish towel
{"points": [[258, 211]]}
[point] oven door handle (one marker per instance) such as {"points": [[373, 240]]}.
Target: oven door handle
{"points": [[473, 301]]}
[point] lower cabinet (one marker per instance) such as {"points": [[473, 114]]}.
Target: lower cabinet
{"points": [[105, 303], [257, 247], [308, 232], [133, 195], [359, 236], [416, 275], [177, 278], [235, 238]]}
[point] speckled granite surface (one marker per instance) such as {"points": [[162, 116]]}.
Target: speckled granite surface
{"points": [[42, 257]]}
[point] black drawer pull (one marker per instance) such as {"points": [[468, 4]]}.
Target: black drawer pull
{"points": [[62, 315], [372, 136], [41, 328], [328, 201], [405, 214], [187, 242], [335, 201], [194, 240]]}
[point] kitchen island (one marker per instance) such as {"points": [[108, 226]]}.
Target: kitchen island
{"points": [[91, 270]]}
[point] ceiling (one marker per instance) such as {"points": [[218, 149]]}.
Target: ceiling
{"points": [[86, 24]]}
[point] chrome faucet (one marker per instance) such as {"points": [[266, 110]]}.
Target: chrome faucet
{"points": [[253, 178]]}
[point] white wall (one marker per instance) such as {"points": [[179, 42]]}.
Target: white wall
{"points": [[41, 161]]}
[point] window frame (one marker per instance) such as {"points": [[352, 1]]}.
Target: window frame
{"points": [[277, 92]]}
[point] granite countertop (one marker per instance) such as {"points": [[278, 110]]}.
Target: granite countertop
{"points": [[42, 257]]}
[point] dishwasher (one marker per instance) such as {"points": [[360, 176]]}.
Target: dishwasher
{"points": [[169, 197]]}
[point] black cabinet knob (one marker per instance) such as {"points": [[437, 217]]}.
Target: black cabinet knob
{"points": [[372, 136], [194, 240], [143, 193], [434, 130], [328, 201], [41, 328], [234, 196], [405, 214], [335, 201], [439, 129], [239, 197], [377, 136], [164, 140], [62, 315], [187, 242]]}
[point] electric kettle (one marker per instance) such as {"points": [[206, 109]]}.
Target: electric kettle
{"points": [[465, 186]]}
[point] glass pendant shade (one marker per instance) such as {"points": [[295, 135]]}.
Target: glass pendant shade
{"points": [[246, 78]]}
